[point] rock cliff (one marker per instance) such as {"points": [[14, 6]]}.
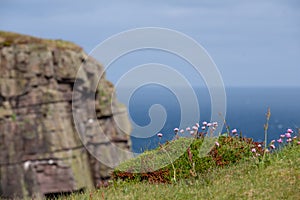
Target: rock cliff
{"points": [[40, 149]]}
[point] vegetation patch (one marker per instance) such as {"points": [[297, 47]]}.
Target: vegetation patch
{"points": [[280, 179], [10, 39], [226, 151]]}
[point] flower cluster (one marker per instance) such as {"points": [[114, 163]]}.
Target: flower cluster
{"points": [[288, 137], [195, 130], [198, 130]]}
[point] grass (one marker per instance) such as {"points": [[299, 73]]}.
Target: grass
{"points": [[9, 39], [245, 180]]}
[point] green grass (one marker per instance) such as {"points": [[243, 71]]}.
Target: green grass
{"points": [[280, 179]]}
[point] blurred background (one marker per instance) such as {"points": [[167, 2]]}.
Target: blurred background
{"points": [[255, 45]]}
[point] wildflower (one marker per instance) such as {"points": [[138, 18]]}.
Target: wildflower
{"points": [[181, 131], [288, 135], [259, 145], [195, 128], [279, 140], [197, 124], [272, 146], [191, 132], [290, 131], [203, 128], [267, 151], [215, 124], [159, 135], [282, 136], [289, 140], [273, 141], [253, 150], [188, 129], [204, 123], [298, 142], [295, 137], [217, 144], [209, 124], [234, 131]]}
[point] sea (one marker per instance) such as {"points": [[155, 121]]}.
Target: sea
{"points": [[245, 111]]}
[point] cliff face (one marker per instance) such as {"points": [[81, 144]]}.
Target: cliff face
{"points": [[40, 149]]}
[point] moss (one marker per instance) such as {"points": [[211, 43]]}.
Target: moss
{"points": [[10, 38], [7, 43], [79, 166], [105, 97], [14, 117], [24, 188]]}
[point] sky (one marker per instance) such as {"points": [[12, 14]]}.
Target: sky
{"points": [[253, 43]]}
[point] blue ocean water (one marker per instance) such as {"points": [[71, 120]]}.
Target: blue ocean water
{"points": [[246, 109]]}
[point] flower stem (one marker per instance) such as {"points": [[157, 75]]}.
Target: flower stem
{"points": [[226, 125], [174, 170], [266, 127]]}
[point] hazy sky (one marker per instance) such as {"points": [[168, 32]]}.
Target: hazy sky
{"points": [[253, 43]]}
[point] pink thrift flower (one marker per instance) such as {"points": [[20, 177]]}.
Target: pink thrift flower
{"points": [[290, 131], [253, 150], [288, 135], [204, 123], [215, 124], [217, 144], [279, 140], [282, 136], [272, 146], [195, 128], [188, 129], [209, 124], [191, 132], [176, 130], [298, 142], [203, 128], [181, 131], [273, 141], [259, 145], [197, 124], [295, 137], [234, 131], [289, 140], [159, 135]]}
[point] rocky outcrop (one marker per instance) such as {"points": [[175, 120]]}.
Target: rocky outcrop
{"points": [[40, 149]]}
